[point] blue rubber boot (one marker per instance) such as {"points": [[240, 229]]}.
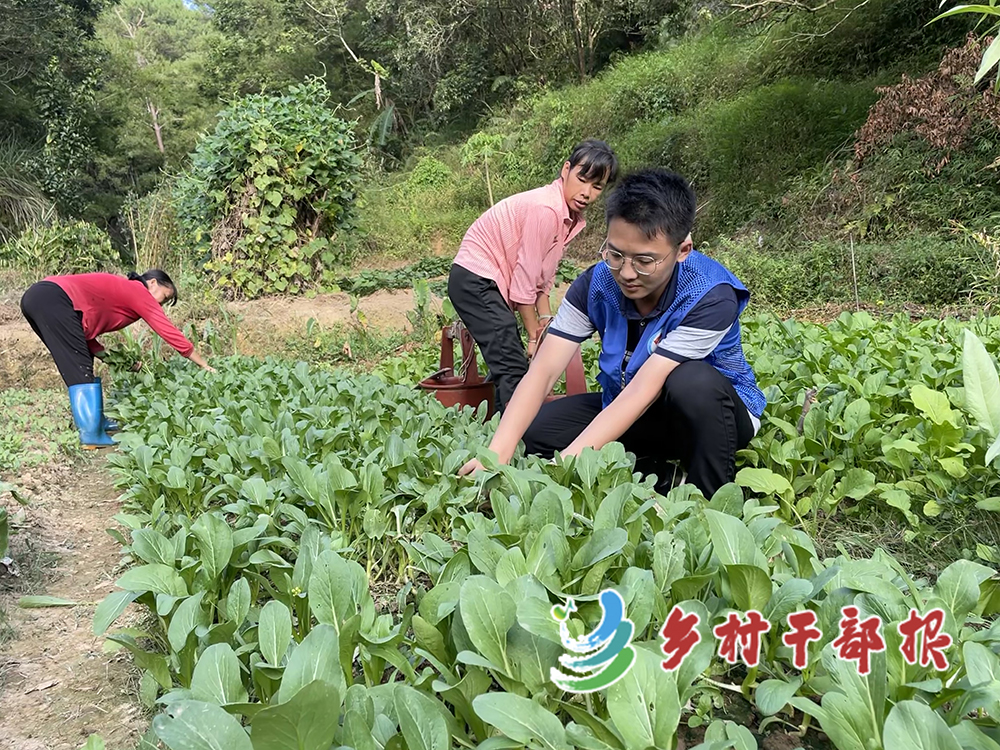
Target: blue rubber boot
{"points": [[109, 425], [86, 401]]}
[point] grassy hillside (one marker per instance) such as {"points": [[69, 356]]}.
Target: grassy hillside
{"points": [[765, 122]]}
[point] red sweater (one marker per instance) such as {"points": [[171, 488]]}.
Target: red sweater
{"points": [[110, 303]]}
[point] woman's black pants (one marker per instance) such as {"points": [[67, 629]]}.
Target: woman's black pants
{"points": [[49, 311]]}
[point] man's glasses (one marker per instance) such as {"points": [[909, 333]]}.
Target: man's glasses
{"points": [[641, 264]]}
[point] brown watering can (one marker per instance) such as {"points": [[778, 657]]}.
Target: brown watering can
{"points": [[467, 387]]}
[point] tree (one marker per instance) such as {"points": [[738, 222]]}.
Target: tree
{"points": [[159, 55]]}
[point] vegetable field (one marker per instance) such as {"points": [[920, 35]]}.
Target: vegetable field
{"points": [[315, 575]]}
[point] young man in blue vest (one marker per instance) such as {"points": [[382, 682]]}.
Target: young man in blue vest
{"points": [[675, 384]]}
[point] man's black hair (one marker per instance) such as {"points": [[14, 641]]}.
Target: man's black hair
{"points": [[657, 201], [596, 160]]}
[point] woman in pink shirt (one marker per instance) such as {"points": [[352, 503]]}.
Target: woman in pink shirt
{"points": [[68, 313], [509, 257]]}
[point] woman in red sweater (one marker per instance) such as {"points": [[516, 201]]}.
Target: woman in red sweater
{"points": [[68, 313]]}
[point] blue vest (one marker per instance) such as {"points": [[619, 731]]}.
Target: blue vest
{"points": [[695, 277]]}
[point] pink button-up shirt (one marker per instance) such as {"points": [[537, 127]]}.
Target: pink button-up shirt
{"points": [[519, 242]]}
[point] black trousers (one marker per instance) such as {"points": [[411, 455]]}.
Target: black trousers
{"points": [[698, 420], [494, 328], [50, 314]]}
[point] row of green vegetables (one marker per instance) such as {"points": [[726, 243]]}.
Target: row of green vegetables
{"points": [[317, 577], [900, 414]]}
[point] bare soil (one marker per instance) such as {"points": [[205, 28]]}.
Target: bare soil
{"points": [[56, 685]]}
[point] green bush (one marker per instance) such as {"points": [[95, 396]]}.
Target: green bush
{"points": [[60, 247], [430, 173], [929, 270], [271, 190]]}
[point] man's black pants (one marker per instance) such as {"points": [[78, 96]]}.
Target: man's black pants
{"points": [[494, 328], [698, 420], [50, 314]]}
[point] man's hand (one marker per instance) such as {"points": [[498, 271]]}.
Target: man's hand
{"points": [[532, 348], [471, 467]]}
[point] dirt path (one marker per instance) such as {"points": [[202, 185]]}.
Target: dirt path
{"points": [[56, 684]]}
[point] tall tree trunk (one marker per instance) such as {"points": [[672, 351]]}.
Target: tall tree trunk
{"points": [[154, 114]]}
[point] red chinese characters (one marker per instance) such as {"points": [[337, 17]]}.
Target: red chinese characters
{"points": [[680, 635], [858, 640], [801, 630], [738, 638], [933, 643]]}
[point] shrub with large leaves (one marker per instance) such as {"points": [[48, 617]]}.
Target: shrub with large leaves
{"points": [[271, 191]]}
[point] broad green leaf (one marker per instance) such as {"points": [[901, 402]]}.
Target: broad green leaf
{"points": [[152, 547], [994, 450], [316, 658], [982, 384], [750, 586], [274, 631], [334, 589], [420, 721], [184, 620], [429, 638], [786, 599], [773, 695], [601, 544], [990, 59], [94, 742], [532, 658], [584, 738], [522, 720], [357, 733], [546, 507], [857, 706], [217, 677], [440, 602], [609, 512], [535, 616], [958, 586], [511, 566], [549, 555], [194, 725], [732, 540], [644, 704], [726, 734], [916, 726], [487, 613], [484, 552], [932, 404], [971, 737], [110, 609], [857, 414], [668, 559], [43, 602], [153, 577], [308, 721], [982, 664], [238, 601], [215, 543], [764, 481], [856, 484]]}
